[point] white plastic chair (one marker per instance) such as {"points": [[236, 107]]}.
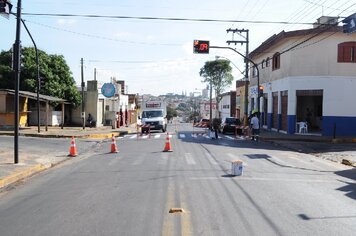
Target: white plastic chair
{"points": [[303, 127]]}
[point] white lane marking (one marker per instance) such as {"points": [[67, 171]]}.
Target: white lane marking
{"points": [[210, 158], [189, 159], [182, 135], [229, 137], [267, 179]]}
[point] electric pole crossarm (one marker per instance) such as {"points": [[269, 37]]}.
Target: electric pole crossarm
{"points": [[235, 42]]}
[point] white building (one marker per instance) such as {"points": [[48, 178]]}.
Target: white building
{"points": [[227, 105], [307, 75]]}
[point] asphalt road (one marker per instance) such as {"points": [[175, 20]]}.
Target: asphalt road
{"points": [[281, 192]]}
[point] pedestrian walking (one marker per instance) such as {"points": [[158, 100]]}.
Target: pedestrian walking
{"points": [[255, 127]]}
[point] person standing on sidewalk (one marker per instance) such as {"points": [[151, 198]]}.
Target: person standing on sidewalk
{"points": [[90, 120], [216, 126], [255, 126]]}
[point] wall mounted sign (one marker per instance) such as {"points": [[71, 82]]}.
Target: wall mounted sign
{"points": [[108, 90]]}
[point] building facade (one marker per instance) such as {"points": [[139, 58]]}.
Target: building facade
{"points": [[227, 105], [307, 76]]}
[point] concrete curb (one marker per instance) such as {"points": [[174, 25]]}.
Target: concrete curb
{"points": [[22, 174], [90, 136]]}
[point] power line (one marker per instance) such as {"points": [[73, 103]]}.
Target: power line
{"points": [[166, 18], [105, 38]]}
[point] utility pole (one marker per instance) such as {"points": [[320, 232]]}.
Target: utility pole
{"points": [[246, 41], [17, 70], [211, 104], [82, 75]]}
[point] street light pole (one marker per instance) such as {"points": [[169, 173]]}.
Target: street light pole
{"points": [[217, 57], [254, 64], [211, 103], [38, 78], [83, 85]]}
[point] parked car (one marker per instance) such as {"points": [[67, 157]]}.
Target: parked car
{"points": [[205, 122], [228, 124]]}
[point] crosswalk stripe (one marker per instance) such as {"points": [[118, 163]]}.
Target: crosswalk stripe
{"points": [[133, 136], [157, 136], [189, 159]]}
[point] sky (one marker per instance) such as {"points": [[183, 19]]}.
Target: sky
{"points": [[155, 56]]}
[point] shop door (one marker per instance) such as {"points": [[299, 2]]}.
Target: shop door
{"points": [[284, 110], [275, 110]]}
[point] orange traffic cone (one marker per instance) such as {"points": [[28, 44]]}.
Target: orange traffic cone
{"points": [[113, 145], [73, 148], [167, 147]]}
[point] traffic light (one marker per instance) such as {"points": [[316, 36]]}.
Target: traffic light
{"points": [[260, 91], [5, 7], [2, 6], [201, 47]]}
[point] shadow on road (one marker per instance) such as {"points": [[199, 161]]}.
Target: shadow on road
{"points": [[350, 187]]}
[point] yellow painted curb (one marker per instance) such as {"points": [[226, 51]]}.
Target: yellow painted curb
{"points": [[102, 136], [22, 174]]}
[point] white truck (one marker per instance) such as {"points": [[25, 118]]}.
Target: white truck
{"points": [[153, 116]]}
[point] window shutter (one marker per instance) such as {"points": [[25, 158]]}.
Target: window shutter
{"points": [[340, 53]]}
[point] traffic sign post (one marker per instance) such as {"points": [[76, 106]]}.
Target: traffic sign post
{"points": [[349, 24]]}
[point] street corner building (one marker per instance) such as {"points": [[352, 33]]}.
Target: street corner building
{"points": [[308, 79]]}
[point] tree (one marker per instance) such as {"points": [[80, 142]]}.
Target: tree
{"points": [[171, 112], [218, 74], [53, 69]]}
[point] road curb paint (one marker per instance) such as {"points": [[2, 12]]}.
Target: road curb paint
{"points": [[22, 174]]}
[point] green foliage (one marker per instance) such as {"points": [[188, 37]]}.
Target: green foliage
{"points": [[183, 107], [6, 75], [53, 68], [218, 73], [171, 112]]}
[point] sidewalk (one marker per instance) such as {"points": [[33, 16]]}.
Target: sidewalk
{"points": [[337, 150]]}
